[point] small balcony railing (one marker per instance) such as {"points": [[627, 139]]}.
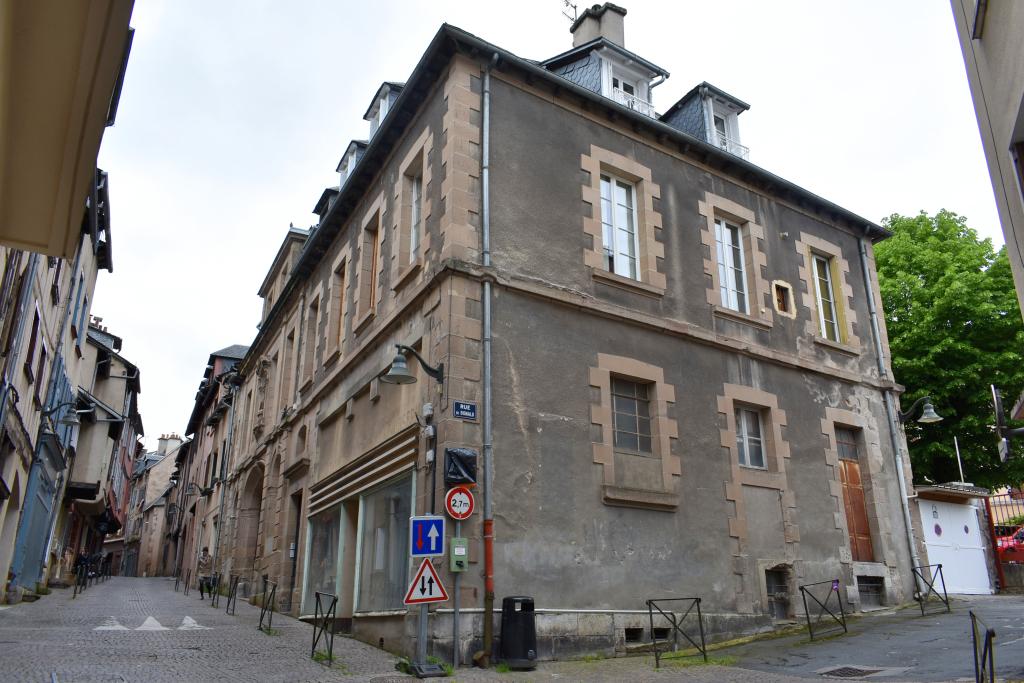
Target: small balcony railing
{"points": [[633, 102], [731, 146]]}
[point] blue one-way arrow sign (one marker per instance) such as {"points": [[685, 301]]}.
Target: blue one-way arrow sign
{"points": [[426, 536]]}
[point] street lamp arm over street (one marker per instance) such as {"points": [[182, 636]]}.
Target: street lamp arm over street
{"points": [[928, 414]]}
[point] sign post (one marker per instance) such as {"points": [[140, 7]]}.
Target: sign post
{"points": [[459, 504], [426, 540]]}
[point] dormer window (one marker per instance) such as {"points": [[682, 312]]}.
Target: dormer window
{"points": [[600, 62], [625, 83], [382, 102], [348, 162], [708, 113]]}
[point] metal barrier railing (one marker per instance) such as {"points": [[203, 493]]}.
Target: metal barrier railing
{"points": [[833, 623], [984, 659], [924, 598], [214, 586], [232, 601], [677, 626], [81, 581], [188, 580], [323, 624], [267, 604]]}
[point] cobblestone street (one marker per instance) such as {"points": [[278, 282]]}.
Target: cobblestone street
{"points": [[57, 636], [137, 629]]}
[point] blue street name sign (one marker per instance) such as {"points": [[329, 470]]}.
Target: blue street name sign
{"points": [[426, 536], [467, 411]]}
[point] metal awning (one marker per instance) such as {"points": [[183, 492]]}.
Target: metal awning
{"points": [[952, 492]]}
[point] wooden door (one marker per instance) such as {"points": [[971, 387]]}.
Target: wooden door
{"points": [[853, 496]]}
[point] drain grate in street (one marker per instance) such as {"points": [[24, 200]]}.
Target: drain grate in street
{"points": [[849, 672]]}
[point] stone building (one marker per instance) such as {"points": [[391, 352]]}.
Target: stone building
{"points": [[200, 481], [45, 305], [677, 359], [989, 35], [96, 497], [60, 84]]}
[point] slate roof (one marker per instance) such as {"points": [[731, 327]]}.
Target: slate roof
{"points": [[233, 351]]}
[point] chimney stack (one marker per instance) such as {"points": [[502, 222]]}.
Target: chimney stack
{"points": [[600, 21]]}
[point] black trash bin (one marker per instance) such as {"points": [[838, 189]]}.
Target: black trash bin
{"points": [[518, 633]]}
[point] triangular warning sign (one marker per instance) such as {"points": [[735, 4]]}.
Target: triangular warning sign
{"points": [[425, 586]]}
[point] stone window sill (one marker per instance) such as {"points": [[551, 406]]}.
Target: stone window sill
{"points": [[363, 321], [836, 346], [626, 283], [333, 354], [406, 275], [723, 312], [640, 498]]}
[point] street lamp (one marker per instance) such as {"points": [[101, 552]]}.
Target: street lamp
{"points": [[928, 414], [399, 372], [70, 419]]}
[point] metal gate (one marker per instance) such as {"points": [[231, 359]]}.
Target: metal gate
{"points": [[1006, 525]]}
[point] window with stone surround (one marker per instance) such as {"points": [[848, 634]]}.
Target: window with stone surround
{"points": [[631, 412], [622, 249], [369, 265], [749, 437], [825, 274], [410, 220], [633, 434], [619, 226], [735, 262], [310, 338], [338, 308], [732, 272], [826, 298]]}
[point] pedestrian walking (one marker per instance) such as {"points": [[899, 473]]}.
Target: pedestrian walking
{"points": [[203, 566]]}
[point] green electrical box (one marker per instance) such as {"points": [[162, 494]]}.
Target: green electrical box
{"points": [[459, 554]]}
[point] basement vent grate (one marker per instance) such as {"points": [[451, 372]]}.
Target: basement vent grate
{"points": [[850, 672]]}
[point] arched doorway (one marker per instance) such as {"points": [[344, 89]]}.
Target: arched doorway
{"points": [[247, 542]]}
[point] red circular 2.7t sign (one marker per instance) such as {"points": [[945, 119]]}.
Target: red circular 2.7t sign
{"points": [[459, 502]]}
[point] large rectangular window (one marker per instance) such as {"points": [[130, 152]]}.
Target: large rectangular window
{"points": [[749, 443], [732, 276], [827, 318], [631, 410], [323, 566], [619, 226], [384, 558]]}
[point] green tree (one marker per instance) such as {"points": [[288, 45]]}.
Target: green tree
{"points": [[955, 328]]}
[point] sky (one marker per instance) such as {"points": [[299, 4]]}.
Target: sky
{"points": [[234, 115]]}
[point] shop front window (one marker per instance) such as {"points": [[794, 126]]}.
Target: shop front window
{"points": [[322, 572], [384, 557]]}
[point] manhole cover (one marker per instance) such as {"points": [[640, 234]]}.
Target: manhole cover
{"points": [[849, 672]]}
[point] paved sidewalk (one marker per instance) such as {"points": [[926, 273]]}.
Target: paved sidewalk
{"points": [[57, 636]]}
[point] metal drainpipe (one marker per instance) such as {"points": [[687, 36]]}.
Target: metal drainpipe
{"points": [[895, 429], [488, 445]]}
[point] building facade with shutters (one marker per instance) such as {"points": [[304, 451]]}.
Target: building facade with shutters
{"points": [[681, 357]]}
